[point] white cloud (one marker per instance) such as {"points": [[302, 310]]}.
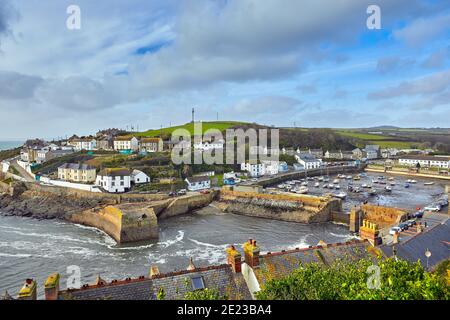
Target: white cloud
{"points": [[422, 30], [431, 84]]}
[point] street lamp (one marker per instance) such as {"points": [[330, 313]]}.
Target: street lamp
{"points": [[428, 255]]}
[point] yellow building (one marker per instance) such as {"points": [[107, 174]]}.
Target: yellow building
{"points": [[77, 172]]}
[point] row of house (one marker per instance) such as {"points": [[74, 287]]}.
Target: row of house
{"points": [[119, 143], [425, 161], [264, 167], [38, 151], [115, 180]]}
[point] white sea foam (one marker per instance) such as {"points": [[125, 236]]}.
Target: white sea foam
{"points": [[223, 246], [168, 243], [15, 255]]}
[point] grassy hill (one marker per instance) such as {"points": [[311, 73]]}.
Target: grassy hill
{"points": [[220, 125]]}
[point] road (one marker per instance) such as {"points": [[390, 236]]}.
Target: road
{"points": [[430, 218], [22, 171]]}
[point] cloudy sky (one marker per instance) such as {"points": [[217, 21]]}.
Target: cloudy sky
{"points": [[148, 62]]}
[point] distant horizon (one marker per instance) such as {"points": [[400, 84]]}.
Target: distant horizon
{"points": [[381, 127]]}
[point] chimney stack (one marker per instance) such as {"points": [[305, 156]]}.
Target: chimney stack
{"points": [[234, 259], [28, 291], [51, 287], [251, 253]]}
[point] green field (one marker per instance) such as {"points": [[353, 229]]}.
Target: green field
{"points": [[362, 136], [220, 125], [384, 141]]}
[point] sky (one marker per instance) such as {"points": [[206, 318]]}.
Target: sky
{"points": [[147, 63]]}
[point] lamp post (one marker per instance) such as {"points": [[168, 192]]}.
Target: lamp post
{"points": [[428, 255]]}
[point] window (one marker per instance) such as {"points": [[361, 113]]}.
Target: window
{"points": [[197, 283]]}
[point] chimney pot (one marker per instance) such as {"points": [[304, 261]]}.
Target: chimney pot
{"points": [[51, 287]]}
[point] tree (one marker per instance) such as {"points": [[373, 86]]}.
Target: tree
{"points": [[345, 280]]}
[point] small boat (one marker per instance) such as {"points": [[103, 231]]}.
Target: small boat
{"points": [[288, 187], [336, 181], [325, 186], [337, 186], [391, 179], [281, 186], [331, 186], [364, 185], [392, 184], [406, 185], [382, 182], [388, 189], [428, 183], [320, 178], [411, 181], [374, 181], [302, 190], [317, 185], [304, 183], [357, 190], [326, 179], [372, 192], [340, 195], [357, 177], [349, 177]]}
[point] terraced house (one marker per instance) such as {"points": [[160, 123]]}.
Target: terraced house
{"points": [[151, 145], [77, 172], [126, 143]]}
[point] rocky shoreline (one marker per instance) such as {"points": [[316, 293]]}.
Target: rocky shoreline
{"points": [[49, 207]]}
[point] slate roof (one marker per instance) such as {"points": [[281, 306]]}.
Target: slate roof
{"points": [[437, 240], [197, 179], [76, 166], [175, 285], [114, 172], [279, 264]]}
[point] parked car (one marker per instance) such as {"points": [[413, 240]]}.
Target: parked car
{"points": [[411, 223], [172, 194], [394, 230], [433, 208], [418, 214], [403, 226], [181, 192]]}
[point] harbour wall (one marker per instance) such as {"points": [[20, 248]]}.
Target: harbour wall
{"points": [[138, 221], [291, 208]]}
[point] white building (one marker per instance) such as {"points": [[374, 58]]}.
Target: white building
{"points": [[84, 144], [139, 177], [425, 161], [198, 183], [206, 145], [126, 143], [270, 167], [254, 169], [43, 155], [114, 180], [308, 162]]}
